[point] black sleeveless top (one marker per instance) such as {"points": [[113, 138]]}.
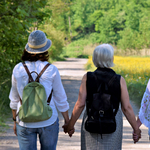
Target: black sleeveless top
{"points": [[103, 75]]}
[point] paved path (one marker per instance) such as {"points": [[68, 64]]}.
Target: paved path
{"points": [[71, 72]]}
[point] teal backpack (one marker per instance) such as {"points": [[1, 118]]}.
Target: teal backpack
{"points": [[34, 104]]}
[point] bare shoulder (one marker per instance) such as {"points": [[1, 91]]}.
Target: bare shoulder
{"points": [[84, 77], [122, 82]]}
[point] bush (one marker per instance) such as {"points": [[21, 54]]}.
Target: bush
{"points": [[57, 38], [81, 47]]}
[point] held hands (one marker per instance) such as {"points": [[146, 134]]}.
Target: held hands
{"points": [[136, 135], [68, 129]]}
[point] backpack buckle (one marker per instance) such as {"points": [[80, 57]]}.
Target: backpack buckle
{"points": [[101, 113]]}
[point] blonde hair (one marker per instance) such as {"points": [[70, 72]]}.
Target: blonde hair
{"points": [[103, 56]]}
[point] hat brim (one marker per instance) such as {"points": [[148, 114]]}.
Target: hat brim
{"points": [[39, 50]]}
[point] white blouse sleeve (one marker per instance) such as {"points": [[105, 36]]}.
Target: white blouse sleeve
{"points": [[144, 113], [59, 95], [14, 96]]}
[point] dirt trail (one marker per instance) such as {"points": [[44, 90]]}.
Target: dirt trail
{"points": [[71, 72]]}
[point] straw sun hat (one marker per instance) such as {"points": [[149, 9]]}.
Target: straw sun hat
{"points": [[37, 43]]}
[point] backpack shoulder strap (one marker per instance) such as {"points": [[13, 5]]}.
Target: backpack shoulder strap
{"points": [[28, 72], [42, 71], [111, 80], [109, 83], [37, 80], [49, 98]]}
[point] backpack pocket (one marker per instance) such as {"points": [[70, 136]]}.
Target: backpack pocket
{"points": [[35, 116], [101, 119], [102, 126]]}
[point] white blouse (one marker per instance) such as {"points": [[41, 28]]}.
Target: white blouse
{"points": [[50, 79]]}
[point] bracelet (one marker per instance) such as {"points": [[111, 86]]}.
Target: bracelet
{"points": [[14, 119]]}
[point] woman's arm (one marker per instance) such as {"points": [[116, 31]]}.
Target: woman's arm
{"points": [[80, 104], [14, 99], [65, 116], [127, 108]]}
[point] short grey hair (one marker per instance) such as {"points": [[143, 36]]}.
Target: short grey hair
{"points": [[103, 56]]}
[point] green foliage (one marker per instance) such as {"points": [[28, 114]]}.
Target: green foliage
{"points": [[57, 41], [122, 23], [81, 47], [60, 15], [136, 89], [73, 17], [82, 11], [74, 49], [17, 19], [126, 42]]}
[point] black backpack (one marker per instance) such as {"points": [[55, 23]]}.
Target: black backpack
{"points": [[101, 114]]}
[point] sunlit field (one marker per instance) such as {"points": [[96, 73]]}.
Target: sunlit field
{"points": [[135, 70]]}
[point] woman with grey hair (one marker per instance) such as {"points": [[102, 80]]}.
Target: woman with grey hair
{"points": [[103, 57], [43, 123]]}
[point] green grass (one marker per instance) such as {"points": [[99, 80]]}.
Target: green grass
{"points": [[136, 86], [3, 119], [80, 47]]}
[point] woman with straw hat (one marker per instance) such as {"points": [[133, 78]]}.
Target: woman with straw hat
{"points": [[36, 57]]}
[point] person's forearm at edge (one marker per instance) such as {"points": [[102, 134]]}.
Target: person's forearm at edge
{"points": [[14, 117], [80, 104], [78, 108], [139, 123]]}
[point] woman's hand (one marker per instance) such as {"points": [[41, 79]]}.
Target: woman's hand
{"points": [[68, 129], [65, 127], [136, 135]]}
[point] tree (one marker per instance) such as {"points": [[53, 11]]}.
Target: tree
{"points": [[17, 19]]}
